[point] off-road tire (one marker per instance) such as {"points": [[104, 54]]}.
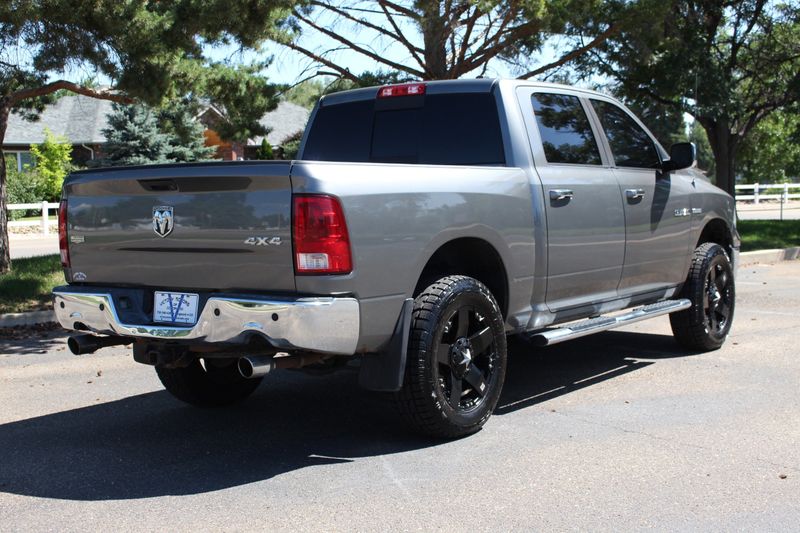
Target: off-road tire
{"points": [[427, 399], [217, 385], [710, 287]]}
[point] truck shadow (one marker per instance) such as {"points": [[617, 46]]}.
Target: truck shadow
{"points": [[150, 445]]}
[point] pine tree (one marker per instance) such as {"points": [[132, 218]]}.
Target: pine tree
{"points": [[265, 150], [133, 137], [186, 140]]}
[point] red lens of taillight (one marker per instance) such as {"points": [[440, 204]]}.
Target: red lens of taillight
{"points": [[321, 242], [62, 233], [407, 89]]}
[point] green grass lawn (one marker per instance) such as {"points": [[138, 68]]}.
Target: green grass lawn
{"points": [[27, 287], [768, 234], [37, 218]]}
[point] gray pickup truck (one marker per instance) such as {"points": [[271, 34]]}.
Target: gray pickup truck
{"points": [[421, 225]]}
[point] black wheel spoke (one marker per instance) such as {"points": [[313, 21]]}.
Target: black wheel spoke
{"points": [[712, 319], [481, 340], [712, 275], [475, 378], [463, 322], [455, 390], [443, 354], [722, 282], [724, 310]]}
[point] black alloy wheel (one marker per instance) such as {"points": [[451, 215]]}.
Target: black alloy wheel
{"points": [[711, 289], [467, 358], [456, 358], [718, 300]]}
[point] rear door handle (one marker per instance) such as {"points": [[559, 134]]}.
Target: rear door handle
{"points": [[559, 195], [634, 194]]}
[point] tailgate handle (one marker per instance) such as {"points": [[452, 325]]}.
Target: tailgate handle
{"points": [[159, 185]]}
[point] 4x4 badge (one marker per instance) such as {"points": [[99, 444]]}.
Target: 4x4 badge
{"points": [[162, 220]]}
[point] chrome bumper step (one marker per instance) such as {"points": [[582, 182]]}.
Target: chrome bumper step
{"points": [[583, 328]]}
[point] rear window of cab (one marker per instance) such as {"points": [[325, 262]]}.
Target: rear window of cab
{"points": [[441, 129]]}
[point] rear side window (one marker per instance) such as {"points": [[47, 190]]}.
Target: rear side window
{"points": [[565, 131], [631, 145], [442, 129]]}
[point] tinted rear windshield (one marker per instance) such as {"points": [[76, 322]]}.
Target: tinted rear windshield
{"points": [[442, 129]]}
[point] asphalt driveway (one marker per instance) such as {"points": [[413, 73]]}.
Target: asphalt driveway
{"points": [[622, 430]]}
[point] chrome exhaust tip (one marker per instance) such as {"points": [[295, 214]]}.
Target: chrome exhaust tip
{"points": [[255, 366]]}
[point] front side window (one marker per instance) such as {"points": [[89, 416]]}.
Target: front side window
{"points": [[565, 131], [631, 145]]}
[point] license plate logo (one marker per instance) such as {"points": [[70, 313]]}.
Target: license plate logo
{"points": [[175, 307]]}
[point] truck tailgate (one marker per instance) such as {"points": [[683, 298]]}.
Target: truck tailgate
{"points": [[207, 226]]}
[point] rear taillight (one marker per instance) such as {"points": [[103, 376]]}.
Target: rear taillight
{"points": [[62, 233], [321, 243], [407, 89]]}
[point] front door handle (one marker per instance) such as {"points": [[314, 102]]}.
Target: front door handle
{"points": [[634, 194], [559, 195]]}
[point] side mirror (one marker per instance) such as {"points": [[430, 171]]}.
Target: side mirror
{"points": [[681, 155]]}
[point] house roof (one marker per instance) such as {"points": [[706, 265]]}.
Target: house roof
{"points": [[285, 120], [79, 118]]}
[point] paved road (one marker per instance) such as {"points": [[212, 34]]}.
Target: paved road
{"points": [[768, 211], [616, 432], [32, 245]]}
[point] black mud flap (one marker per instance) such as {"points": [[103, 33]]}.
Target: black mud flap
{"points": [[384, 371]]}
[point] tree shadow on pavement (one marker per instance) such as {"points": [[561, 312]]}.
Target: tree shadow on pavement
{"points": [[32, 340], [151, 445]]}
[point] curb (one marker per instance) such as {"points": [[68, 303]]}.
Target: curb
{"points": [[768, 256], [12, 320]]}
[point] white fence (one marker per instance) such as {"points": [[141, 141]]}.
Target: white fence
{"points": [[44, 219], [768, 191]]}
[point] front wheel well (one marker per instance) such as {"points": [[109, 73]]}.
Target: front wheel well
{"points": [[717, 231], [471, 257]]}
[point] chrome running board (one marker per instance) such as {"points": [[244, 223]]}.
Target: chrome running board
{"points": [[583, 328]]}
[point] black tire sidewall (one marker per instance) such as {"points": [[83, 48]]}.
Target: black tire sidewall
{"points": [[470, 293], [691, 327]]}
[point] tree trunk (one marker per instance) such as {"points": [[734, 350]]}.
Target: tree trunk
{"points": [[5, 254], [434, 39], [724, 144]]}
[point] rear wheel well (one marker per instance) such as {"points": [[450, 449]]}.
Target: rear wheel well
{"points": [[471, 257], [717, 231]]}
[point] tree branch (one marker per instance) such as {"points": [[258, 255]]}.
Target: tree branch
{"points": [[356, 48], [319, 59], [402, 38], [363, 22], [470, 25], [612, 30], [400, 9], [49, 88]]}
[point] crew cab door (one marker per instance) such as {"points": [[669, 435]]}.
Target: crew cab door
{"points": [[583, 209], [657, 210]]}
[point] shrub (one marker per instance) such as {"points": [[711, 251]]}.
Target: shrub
{"points": [[53, 163], [265, 150], [24, 187]]}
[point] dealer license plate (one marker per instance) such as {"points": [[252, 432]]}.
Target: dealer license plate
{"points": [[175, 307]]}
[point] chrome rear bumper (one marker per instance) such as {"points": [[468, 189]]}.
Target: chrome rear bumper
{"points": [[327, 325]]}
